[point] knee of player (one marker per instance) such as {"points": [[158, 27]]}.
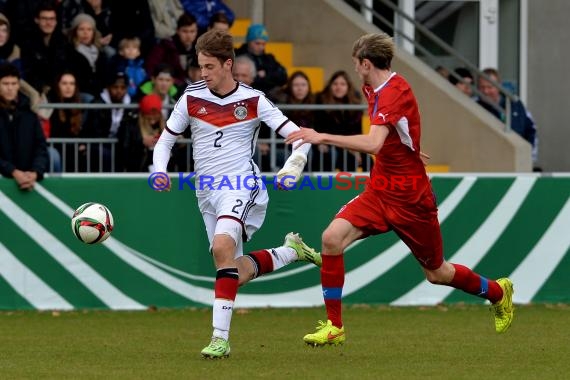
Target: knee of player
{"points": [[332, 242], [223, 251], [437, 277], [434, 278]]}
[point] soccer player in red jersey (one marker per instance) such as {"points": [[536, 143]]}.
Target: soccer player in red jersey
{"points": [[397, 198]]}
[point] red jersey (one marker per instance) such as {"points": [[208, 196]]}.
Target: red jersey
{"points": [[398, 176]]}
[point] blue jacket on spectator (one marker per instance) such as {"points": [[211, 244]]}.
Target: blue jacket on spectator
{"points": [[134, 68], [521, 121], [203, 10]]}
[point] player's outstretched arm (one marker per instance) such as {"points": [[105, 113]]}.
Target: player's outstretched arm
{"points": [[160, 158], [370, 143]]}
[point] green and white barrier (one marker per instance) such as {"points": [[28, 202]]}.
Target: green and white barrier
{"points": [[516, 226]]}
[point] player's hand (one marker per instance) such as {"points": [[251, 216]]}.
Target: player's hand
{"points": [[425, 158], [307, 135], [291, 172]]}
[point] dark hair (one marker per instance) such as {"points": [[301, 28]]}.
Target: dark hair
{"points": [[162, 68], [220, 17], [186, 19], [492, 72], [72, 116], [352, 96], [217, 44], [9, 70], [46, 6], [462, 73], [112, 77], [309, 99]]}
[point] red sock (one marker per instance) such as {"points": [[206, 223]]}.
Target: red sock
{"points": [[226, 286], [470, 282], [332, 280], [263, 262]]}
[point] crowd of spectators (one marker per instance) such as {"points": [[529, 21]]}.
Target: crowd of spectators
{"points": [[491, 99], [142, 52]]}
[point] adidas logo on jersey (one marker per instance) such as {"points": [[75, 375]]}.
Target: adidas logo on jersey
{"points": [[202, 111]]}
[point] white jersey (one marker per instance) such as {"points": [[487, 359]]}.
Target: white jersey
{"points": [[224, 128]]}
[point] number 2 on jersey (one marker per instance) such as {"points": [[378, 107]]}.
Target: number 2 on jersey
{"points": [[217, 140], [239, 203]]}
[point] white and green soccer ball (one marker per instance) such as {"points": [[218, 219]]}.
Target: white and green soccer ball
{"points": [[92, 223]]}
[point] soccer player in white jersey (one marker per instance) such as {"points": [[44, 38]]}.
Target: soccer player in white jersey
{"points": [[224, 117]]}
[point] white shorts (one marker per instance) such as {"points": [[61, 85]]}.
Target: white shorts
{"points": [[237, 213]]}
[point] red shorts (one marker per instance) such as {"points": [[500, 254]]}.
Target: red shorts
{"points": [[417, 225]]}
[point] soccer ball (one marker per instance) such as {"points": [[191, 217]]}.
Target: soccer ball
{"points": [[92, 223]]}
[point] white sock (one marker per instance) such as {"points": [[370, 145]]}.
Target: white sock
{"points": [[282, 256], [222, 317]]}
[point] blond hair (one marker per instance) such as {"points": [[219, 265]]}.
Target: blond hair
{"points": [[378, 48], [129, 41]]}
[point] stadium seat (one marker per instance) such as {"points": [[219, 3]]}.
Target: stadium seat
{"points": [[283, 52], [239, 30]]}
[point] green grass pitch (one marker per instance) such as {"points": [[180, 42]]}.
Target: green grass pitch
{"points": [[455, 342]]}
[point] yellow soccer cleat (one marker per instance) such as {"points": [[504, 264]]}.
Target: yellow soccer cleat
{"points": [[304, 252], [326, 334], [504, 310]]}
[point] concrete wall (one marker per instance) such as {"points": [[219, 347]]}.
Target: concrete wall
{"points": [[548, 80], [457, 132]]}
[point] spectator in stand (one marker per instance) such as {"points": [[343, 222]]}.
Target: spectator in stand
{"points": [[22, 14], [162, 84], [465, 81], [192, 75], [96, 9], [339, 90], [220, 21], [69, 123], [130, 62], [521, 120], [23, 150], [132, 18], [105, 123], [244, 70], [85, 56], [203, 10], [442, 71], [297, 91], [164, 14], [9, 51], [44, 52], [138, 137], [270, 73], [177, 51], [102, 15]]}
